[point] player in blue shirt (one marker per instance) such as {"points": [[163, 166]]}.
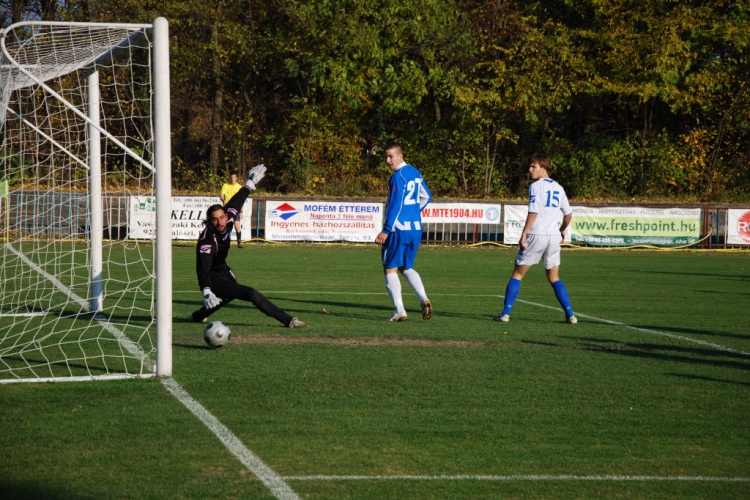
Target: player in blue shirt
{"points": [[541, 236], [402, 231]]}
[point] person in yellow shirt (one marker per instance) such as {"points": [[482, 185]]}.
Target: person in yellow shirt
{"points": [[228, 190]]}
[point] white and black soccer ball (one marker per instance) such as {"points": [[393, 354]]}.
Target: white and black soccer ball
{"points": [[216, 334]]}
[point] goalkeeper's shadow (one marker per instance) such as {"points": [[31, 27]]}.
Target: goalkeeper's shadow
{"points": [[386, 307], [329, 307]]}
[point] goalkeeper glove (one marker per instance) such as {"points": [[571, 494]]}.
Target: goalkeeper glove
{"points": [[210, 300], [254, 176]]}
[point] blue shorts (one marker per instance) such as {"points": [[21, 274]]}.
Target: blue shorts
{"points": [[400, 249]]}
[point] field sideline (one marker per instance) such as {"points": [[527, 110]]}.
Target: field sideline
{"points": [[647, 397]]}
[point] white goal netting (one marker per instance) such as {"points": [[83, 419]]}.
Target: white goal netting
{"points": [[76, 142]]}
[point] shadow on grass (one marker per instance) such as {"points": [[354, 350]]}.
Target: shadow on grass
{"points": [[234, 304], [708, 379], [697, 351], [62, 368], [695, 332], [733, 277], [195, 347], [545, 344], [369, 311], [668, 329], [331, 307], [723, 293], [660, 352], [29, 491]]}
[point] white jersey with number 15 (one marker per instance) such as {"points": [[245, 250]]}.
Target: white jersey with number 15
{"points": [[546, 199]]}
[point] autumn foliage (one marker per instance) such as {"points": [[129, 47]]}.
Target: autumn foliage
{"points": [[632, 99]]}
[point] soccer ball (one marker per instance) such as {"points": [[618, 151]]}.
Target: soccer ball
{"points": [[216, 334]]}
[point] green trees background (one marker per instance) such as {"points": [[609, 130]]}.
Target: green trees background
{"points": [[633, 99]]}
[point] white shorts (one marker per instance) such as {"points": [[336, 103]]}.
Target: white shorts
{"points": [[538, 246]]}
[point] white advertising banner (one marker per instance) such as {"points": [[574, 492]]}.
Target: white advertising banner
{"points": [[515, 219], [628, 226], [470, 213], [323, 221], [188, 213], [738, 226]]}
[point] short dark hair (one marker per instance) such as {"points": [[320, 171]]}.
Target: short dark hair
{"points": [[394, 145], [212, 209], [542, 159], [234, 172]]}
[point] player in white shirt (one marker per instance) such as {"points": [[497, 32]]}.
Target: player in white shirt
{"points": [[402, 231], [541, 236]]}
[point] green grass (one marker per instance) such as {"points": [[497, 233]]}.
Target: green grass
{"points": [[354, 395], [46, 329]]}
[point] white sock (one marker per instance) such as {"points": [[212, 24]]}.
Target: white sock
{"points": [[416, 283], [393, 285]]}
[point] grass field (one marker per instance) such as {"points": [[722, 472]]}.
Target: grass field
{"points": [[647, 397]]}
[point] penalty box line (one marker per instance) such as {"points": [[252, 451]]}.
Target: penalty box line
{"points": [[514, 477], [644, 330]]}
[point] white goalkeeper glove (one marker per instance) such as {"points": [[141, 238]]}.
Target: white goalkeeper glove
{"points": [[209, 299], [254, 176]]}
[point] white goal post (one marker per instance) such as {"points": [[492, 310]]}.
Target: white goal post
{"points": [[84, 126]]}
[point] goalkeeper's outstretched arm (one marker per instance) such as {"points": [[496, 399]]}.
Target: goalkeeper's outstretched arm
{"points": [[234, 206]]}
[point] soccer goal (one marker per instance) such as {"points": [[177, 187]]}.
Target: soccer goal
{"points": [[84, 130]]}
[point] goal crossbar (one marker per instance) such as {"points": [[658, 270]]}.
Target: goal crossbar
{"points": [[80, 61]]}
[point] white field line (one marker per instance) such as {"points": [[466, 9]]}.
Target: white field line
{"points": [[468, 477], [533, 477], [273, 481], [268, 477], [22, 315], [646, 330]]}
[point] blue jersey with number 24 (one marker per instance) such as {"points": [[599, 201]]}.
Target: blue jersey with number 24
{"points": [[408, 195]]}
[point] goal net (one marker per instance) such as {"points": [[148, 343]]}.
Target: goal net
{"points": [[84, 128]]}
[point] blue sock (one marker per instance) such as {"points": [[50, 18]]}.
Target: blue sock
{"points": [[562, 296], [511, 293]]}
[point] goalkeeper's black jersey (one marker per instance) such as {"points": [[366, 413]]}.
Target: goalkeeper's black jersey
{"points": [[213, 246]]}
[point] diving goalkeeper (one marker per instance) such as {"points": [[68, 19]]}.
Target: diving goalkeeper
{"points": [[215, 278]]}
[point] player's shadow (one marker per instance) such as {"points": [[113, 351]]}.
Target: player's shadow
{"points": [[733, 277], [129, 319], [544, 344], [661, 352], [411, 305], [196, 347], [331, 306], [190, 304], [10, 489], [668, 329], [707, 379], [722, 292], [690, 331]]}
